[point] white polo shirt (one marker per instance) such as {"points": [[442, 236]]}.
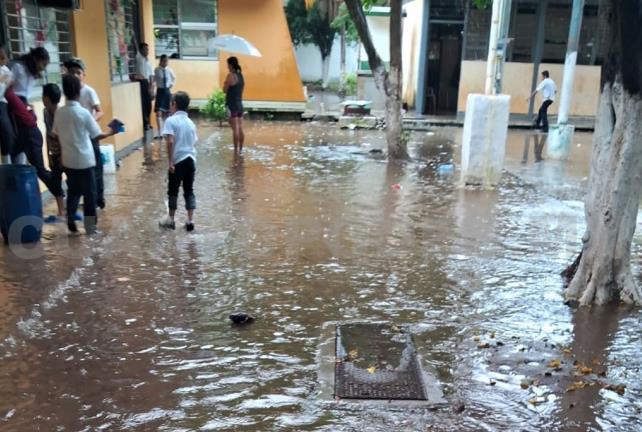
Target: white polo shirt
{"points": [[548, 89], [75, 128], [143, 66], [183, 129], [164, 77], [88, 98], [23, 81]]}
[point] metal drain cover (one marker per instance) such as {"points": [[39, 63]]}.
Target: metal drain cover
{"points": [[376, 361]]}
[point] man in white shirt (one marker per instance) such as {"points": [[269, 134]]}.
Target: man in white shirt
{"points": [[548, 89], [75, 128], [144, 74]]}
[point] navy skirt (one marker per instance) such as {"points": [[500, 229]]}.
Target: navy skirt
{"points": [[163, 96]]}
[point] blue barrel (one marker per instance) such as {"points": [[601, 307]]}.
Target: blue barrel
{"points": [[20, 204]]}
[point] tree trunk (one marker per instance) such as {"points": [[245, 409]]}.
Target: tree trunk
{"points": [[394, 125], [325, 71], [389, 83], [342, 78], [611, 207]]}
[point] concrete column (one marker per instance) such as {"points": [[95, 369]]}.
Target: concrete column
{"points": [[423, 59], [486, 122], [561, 136]]}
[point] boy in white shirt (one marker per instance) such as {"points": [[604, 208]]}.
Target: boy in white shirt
{"points": [[164, 79], [90, 101], [180, 134], [75, 128]]}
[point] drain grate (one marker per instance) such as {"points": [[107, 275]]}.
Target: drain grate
{"points": [[376, 361]]}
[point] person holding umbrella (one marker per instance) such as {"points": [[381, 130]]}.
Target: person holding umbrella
{"points": [[233, 88]]}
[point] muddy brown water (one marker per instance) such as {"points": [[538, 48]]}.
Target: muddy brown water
{"points": [[129, 331]]}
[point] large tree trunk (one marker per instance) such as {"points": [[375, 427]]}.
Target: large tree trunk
{"points": [[389, 83], [604, 270], [342, 78]]}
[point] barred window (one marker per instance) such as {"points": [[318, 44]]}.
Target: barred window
{"points": [[185, 28], [122, 37], [28, 25]]}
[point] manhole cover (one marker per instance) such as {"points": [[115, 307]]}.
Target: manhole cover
{"points": [[376, 361]]}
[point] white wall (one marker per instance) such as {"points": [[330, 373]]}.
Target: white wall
{"points": [[308, 58]]}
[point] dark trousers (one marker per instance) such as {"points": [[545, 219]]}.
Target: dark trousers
{"points": [[542, 115], [184, 172], [146, 101], [100, 183], [7, 134], [55, 165], [30, 142], [81, 183]]}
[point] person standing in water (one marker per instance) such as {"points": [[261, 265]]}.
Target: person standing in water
{"points": [[233, 88]]}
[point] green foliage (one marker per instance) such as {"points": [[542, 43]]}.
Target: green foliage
{"points": [[215, 107], [482, 4], [343, 19], [309, 26], [351, 84]]}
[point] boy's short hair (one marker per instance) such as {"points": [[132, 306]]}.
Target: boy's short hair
{"points": [[71, 86], [164, 57], [546, 74], [74, 62], [181, 99], [142, 45], [51, 91]]}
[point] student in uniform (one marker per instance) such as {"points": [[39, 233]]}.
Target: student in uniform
{"points": [[75, 128], [548, 89], [164, 79], [180, 134], [90, 101]]}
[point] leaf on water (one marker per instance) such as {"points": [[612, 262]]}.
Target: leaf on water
{"points": [[554, 364], [524, 385], [371, 369], [476, 338], [619, 389], [123, 279], [483, 345], [586, 370], [536, 401], [576, 385], [567, 351], [492, 335], [396, 328]]}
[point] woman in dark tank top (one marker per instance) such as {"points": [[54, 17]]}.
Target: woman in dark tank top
{"points": [[233, 88]]}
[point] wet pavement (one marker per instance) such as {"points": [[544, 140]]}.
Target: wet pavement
{"points": [[128, 330]]}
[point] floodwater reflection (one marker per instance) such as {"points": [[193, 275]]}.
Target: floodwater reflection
{"points": [[129, 330]]}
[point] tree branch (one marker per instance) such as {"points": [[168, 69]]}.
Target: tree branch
{"points": [[359, 19]]}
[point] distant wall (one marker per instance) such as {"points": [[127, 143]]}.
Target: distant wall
{"points": [[517, 83], [308, 59]]}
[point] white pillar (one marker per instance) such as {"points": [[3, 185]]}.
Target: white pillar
{"points": [[491, 63]]}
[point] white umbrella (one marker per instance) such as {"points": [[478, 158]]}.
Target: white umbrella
{"points": [[235, 44]]}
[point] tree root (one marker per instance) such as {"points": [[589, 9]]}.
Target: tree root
{"points": [[569, 272]]}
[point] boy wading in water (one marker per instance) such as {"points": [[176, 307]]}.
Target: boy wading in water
{"points": [[51, 99], [75, 128], [180, 135]]}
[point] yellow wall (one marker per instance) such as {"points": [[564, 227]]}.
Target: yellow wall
{"points": [[199, 78], [90, 44], [127, 108], [517, 83], [274, 76]]}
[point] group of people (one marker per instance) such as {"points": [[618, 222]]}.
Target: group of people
{"points": [[73, 133]]}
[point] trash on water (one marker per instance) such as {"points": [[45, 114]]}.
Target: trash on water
{"points": [[123, 279], [445, 169], [396, 186]]}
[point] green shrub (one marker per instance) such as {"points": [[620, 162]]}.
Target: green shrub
{"points": [[351, 84], [215, 107]]}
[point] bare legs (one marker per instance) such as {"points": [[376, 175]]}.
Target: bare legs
{"points": [[237, 133]]}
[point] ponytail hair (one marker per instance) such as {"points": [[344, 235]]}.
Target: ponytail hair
{"points": [[32, 57], [234, 63]]}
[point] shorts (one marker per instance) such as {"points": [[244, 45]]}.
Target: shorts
{"points": [[235, 114], [163, 96]]}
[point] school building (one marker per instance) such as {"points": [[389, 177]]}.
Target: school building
{"points": [[105, 34], [445, 47]]}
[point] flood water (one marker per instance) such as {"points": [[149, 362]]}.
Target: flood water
{"points": [[128, 330]]}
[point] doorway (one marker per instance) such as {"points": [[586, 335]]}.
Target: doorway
{"points": [[444, 66]]}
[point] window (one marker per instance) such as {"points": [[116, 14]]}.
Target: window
{"points": [[28, 25], [122, 31], [185, 28]]}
